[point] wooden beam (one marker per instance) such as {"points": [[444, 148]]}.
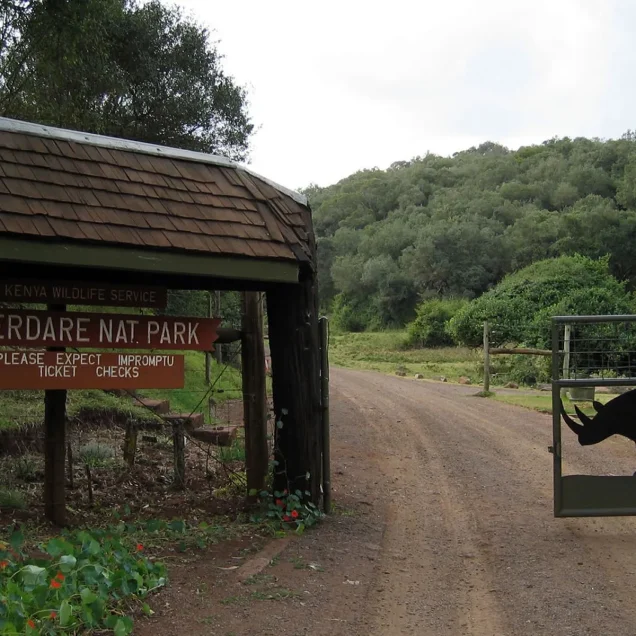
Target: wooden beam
{"points": [[520, 351], [55, 449], [254, 393], [295, 353], [130, 258]]}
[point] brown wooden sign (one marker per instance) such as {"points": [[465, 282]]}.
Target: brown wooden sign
{"points": [[23, 328], [98, 294], [71, 370]]}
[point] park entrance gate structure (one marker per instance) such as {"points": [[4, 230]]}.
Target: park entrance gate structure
{"points": [[87, 208]]}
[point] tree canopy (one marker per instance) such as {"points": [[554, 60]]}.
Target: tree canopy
{"points": [[116, 67], [454, 226]]}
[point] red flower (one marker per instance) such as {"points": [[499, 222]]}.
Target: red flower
{"points": [[3, 564], [294, 514], [56, 585], [286, 518], [140, 547], [59, 576], [279, 502], [53, 615], [31, 624]]}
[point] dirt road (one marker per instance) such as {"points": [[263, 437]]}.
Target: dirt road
{"points": [[470, 509], [443, 527]]}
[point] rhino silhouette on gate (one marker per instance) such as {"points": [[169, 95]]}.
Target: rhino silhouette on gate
{"points": [[617, 417]]}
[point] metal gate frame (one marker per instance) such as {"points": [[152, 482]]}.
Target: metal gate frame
{"points": [[586, 495]]}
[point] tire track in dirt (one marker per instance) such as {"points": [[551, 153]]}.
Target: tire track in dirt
{"points": [[489, 556]]}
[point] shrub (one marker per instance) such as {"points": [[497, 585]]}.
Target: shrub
{"points": [[95, 454], [25, 468], [520, 307], [347, 315], [430, 327], [11, 499], [522, 369]]}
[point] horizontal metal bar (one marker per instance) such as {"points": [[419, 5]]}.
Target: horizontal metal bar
{"points": [[595, 382], [592, 319], [599, 512]]}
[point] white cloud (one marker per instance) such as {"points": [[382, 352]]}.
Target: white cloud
{"points": [[340, 86]]}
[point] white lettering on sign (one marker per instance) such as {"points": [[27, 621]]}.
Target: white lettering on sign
{"points": [[18, 358], [82, 293], [85, 330]]}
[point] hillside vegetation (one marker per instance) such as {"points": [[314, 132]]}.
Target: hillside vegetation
{"points": [[455, 226]]}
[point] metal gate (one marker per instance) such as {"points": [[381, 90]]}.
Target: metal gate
{"points": [[590, 352]]}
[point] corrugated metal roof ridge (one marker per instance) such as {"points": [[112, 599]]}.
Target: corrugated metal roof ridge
{"points": [[40, 130]]}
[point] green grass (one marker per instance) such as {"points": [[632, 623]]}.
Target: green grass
{"points": [[543, 403], [385, 352], [24, 408], [195, 395]]}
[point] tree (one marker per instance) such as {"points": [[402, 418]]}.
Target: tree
{"points": [[456, 225], [113, 67]]}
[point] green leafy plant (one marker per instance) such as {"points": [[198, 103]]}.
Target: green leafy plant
{"points": [[83, 581], [289, 510], [12, 499]]}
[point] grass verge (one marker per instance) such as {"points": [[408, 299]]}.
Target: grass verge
{"points": [[543, 403], [385, 352]]}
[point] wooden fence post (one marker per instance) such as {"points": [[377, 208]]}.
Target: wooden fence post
{"points": [[486, 358], [567, 336], [178, 442]]}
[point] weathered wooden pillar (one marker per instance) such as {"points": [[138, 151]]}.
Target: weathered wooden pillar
{"points": [[254, 392], [294, 344], [55, 449]]}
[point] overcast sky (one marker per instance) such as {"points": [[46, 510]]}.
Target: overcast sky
{"points": [[340, 86]]}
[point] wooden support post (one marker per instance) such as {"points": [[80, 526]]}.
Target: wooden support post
{"points": [[218, 351], [254, 393], [55, 449], [295, 351], [324, 398], [208, 354], [486, 358]]}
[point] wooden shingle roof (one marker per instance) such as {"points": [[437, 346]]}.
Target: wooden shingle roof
{"points": [[63, 185]]}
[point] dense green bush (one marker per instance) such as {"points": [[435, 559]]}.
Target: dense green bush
{"points": [[430, 327], [520, 307]]}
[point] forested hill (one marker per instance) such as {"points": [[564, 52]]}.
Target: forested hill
{"points": [[453, 226]]}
